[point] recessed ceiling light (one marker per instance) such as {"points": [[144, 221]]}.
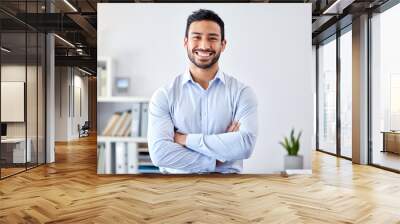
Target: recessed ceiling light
{"points": [[70, 5], [64, 40], [338, 6], [86, 72], [5, 50]]}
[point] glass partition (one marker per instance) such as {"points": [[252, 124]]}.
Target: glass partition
{"points": [[22, 77], [13, 109]]}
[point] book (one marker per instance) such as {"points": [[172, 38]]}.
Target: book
{"points": [[132, 158], [120, 158], [124, 124], [128, 129], [144, 158], [119, 123], [107, 158], [144, 119], [148, 169], [142, 149], [135, 120], [100, 158], [111, 123]]}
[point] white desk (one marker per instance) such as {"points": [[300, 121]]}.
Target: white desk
{"points": [[19, 149]]}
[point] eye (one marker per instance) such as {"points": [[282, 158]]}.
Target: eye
{"points": [[196, 37]]}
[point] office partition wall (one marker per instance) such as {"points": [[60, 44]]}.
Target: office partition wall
{"points": [[22, 77]]}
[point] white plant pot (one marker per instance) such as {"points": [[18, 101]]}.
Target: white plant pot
{"points": [[293, 162]]}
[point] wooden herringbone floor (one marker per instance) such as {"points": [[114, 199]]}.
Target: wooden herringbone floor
{"points": [[69, 191]]}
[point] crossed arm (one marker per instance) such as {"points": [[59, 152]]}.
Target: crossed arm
{"points": [[181, 139], [200, 152]]}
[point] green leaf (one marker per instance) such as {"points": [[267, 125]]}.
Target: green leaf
{"points": [[292, 143]]}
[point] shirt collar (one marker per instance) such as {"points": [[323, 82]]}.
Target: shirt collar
{"points": [[188, 77]]}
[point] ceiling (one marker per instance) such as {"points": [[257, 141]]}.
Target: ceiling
{"points": [[76, 21]]}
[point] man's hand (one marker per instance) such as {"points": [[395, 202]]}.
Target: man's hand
{"points": [[234, 126], [180, 138]]}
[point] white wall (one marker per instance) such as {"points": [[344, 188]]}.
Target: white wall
{"points": [[33, 125], [12, 73], [67, 81], [61, 103], [269, 49]]}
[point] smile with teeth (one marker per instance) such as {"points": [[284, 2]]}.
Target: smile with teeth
{"points": [[203, 54]]}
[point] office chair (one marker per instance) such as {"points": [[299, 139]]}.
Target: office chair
{"points": [[84, 130]]}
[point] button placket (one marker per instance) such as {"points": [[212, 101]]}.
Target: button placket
{"points": [[204, 112]]}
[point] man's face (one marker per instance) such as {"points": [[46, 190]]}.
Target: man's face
{"points": [[203, 44]]}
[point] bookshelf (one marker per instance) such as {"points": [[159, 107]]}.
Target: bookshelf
{"points": [[104, 76], [119, 151]]}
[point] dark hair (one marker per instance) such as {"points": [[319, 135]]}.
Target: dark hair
{"points": [[205, 14]]}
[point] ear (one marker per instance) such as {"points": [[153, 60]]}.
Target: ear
{"points": [[223, 45], [185, 42]]}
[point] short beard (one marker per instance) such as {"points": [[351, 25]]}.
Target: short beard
{"points": [[203, 66]]}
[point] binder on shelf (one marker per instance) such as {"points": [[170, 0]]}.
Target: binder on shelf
{"points": [[100, 158], [135, 120], [144, 119], [107, 158], [119, 123], [132, 158], [124, 123], [127, 131], [120, 158], [148, 169], [111, 124]]}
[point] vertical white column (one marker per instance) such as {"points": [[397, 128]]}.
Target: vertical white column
{"points": [[50, 92], [50, 110], [360, 90]]}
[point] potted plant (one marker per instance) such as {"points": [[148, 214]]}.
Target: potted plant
{"points": [[292, 146]]}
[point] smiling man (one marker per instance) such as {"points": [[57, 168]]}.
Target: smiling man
{"points": [[204, 120]]}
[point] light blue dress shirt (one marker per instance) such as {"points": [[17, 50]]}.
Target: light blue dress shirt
{"points": [[204, 115]]}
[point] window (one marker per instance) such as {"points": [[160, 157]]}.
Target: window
{"points": [[385, 88], [327, 96], [346, 94]]}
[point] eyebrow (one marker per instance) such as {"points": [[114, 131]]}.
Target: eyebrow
{"points": [[211, 34]]}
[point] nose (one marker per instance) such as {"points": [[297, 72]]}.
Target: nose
{"points": [[204, 44]]}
